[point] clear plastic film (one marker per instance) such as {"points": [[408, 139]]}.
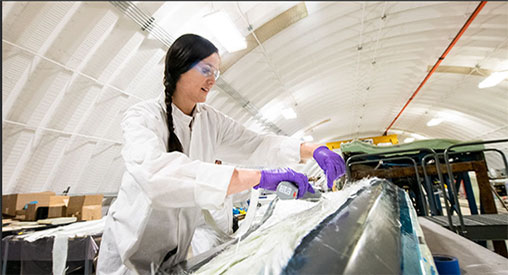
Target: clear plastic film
{"points": [[23, 257], [58, 250], [355, 231]]}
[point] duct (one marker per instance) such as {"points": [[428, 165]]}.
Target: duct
{"points": [[148, 24], [368, 228]]}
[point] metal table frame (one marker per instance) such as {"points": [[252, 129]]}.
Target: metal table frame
{"points": [[450, 172], [425, 209], [438, 169]]}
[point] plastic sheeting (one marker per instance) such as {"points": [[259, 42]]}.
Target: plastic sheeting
{"points": [[22, 257], [53, 251]]}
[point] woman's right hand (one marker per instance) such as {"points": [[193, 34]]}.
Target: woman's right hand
{"points": [[270, 179]]}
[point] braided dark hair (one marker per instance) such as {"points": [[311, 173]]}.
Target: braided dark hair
{"points": [[186, 51]]}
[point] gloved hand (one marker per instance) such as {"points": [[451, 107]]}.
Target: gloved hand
{"points": [[332, 164], [270, 179]]}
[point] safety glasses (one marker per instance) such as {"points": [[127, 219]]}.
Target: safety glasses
{"points": [[207, 70]]}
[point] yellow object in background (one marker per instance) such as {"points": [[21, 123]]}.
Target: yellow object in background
{"points": [[375, 140]]}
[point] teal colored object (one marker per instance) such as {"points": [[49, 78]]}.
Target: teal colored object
{"points": [[32, 202], [239, 210]]}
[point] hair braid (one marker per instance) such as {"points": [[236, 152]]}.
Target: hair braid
{"points": [[173, 141], [186, 51]]}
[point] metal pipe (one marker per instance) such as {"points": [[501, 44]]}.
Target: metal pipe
{"points": [[441, 58], [430, 190]]}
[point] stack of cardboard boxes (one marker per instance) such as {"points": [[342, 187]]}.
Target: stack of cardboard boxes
{"points": [[43, 205]]}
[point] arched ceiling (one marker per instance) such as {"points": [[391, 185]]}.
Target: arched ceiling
{"points": [[347, 68]]}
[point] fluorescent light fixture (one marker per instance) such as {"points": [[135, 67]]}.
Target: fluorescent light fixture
{"points": [[409, 139], [298, 134], [493, 79], [289, 113], [270, 113], [308, 138], [434, 122], [417, 136], [223, 28]]}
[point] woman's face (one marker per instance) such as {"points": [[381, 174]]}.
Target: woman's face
{"points": [[195, 84]]}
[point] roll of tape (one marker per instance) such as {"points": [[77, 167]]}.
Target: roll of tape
{"points": [[447, 264]]}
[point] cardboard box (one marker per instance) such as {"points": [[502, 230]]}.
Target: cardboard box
{"points": [[57, 206], [13, 202], [85, 208], [20, 215], [91, 212], [31, 212], [57, 211], [58, 201]]}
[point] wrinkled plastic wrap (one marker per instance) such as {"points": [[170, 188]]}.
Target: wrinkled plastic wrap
{"points": [[22, 257], [358, 230], [59, 250]]}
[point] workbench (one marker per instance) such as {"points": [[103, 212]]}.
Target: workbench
{"points": [[489, 226]]}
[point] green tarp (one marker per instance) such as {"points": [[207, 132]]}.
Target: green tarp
{"points": [[439, 145]]}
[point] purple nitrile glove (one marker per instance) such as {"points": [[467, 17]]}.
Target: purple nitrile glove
{"points": [[271, 178], [332, 164]]}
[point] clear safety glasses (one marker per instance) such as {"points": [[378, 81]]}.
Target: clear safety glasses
{"points": [[207, 70]]}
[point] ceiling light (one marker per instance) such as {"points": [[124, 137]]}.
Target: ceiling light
{"points": [[434, 122], [409, 139], [223, 28], [417, 136], [493, 79], [308, 138], [289, 113], [270, 113], [398, 132], [298, 134]]}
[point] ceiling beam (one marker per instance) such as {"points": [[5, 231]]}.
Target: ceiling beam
{"points": [[265, 32], [461, 70]]}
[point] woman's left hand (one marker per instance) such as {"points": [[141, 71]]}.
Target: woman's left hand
{"points": [[332, 164]]}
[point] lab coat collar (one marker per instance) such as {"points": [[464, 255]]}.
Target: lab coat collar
{"points": [[161, 100]]}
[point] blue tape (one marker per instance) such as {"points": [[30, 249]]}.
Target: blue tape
{"points": [[447, 264]]}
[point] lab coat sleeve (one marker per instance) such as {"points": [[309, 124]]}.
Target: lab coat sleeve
{"points": [[243, 146], [170, 180], [241, 197]]}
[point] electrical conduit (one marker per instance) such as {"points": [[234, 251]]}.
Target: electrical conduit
{"points": [[441, 58]]}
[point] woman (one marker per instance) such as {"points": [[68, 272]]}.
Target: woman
{"points": [[170, 147]]}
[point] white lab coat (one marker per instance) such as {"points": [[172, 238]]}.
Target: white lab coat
{"points": [[205, 237], [161, 196]]}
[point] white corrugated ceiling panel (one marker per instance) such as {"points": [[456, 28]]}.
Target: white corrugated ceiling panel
{"points": [[70, 69]]}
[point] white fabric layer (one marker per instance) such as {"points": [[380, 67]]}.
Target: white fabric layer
{"points": [[60, 245]]}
